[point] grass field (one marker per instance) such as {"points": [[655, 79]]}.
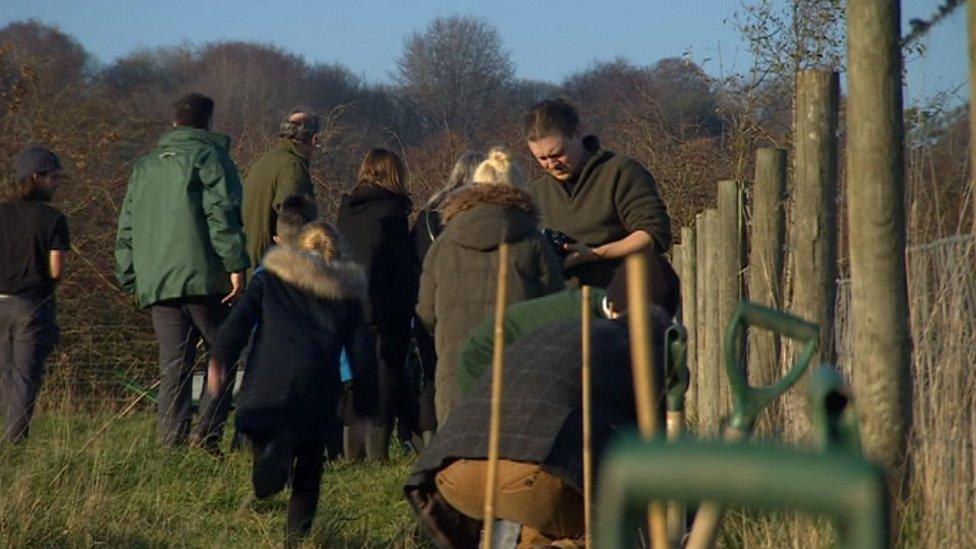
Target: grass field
{"points": [[121, 490]]}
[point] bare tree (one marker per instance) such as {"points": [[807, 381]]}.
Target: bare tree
{"points": [[453, 70]]}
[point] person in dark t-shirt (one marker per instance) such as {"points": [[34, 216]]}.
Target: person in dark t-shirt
{"points": [[33, 241]]}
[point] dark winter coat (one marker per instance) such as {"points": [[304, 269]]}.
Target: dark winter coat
{"points": [[612, 197], [374, 228], [541, 412], [459, 280], [305, 311], [425, 231]]}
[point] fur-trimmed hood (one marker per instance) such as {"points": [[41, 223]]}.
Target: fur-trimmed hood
{"points": [[468, 197], [334, 280], [480, 216]]}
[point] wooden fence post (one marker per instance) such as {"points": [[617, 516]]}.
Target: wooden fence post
{"points": [[709, 394], [728, 270], [689, 306], [701, 262], [971, 9], [876, 217], [813, 231], [766, 240]]}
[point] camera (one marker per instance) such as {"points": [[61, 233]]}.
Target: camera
{"points": [[558, 241]]}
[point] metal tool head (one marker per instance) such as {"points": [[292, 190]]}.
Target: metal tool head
{"points": [[676, 374], [748, 401], [834, 423]]}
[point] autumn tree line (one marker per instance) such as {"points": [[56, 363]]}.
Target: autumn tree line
{"points": [[454, 88]]}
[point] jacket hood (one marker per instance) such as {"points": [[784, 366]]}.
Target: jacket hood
{"points": [[365, 196], [480, 216], [184, 135], [334, 280]]}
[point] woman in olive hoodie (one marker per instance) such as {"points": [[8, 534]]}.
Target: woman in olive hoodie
{"points": [[373, 224], [459, 277]]}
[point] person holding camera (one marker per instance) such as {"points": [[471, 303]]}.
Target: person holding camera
{"points": [[598, 206]]}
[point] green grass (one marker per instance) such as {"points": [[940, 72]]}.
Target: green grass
{"points": [[122, 490]]}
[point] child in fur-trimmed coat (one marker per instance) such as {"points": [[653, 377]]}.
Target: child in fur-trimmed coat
{"points": [[307, 305]]}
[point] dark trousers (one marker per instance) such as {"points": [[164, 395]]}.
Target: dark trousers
{"points": [[306, 464], [397, 397], [28, 333], [180, 324]]}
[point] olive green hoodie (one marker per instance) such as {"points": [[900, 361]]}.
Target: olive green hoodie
{"points": [[179, 232], [274, 176], [612, 197]]}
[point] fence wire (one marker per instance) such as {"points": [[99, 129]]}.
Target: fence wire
{"points": [[942, 445]]}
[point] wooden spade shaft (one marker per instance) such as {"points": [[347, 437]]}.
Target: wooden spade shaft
{"points": [[645, 391], [494, 431]]}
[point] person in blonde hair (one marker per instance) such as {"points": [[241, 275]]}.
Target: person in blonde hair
{"points": [[458, 280], [307, 305], [499, 169]]}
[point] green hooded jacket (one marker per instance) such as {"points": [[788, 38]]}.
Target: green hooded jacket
{"points": [[521, 319], [277, 174], [179, 231], [460, 273]]}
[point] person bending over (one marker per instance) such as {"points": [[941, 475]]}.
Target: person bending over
{"points": [[540, 473]]}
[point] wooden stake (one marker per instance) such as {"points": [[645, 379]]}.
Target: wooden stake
{"points": [[813, 227], [971, 17], [646, 393], [728, 274], [689, 314], [710, 408], [494, 431], [766, 271], [587, 414], [876, 219]]}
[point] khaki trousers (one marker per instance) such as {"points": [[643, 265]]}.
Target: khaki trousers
{"points": [[547, 508]]}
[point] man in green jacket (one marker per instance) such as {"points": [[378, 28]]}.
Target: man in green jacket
{"points": [[180, 249], [277, 174], [607, 203]]}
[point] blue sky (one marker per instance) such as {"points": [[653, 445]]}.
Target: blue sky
{"points": [[547, 39]]}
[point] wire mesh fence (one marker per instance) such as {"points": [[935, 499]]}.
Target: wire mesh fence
{"points": [[942, 445]]}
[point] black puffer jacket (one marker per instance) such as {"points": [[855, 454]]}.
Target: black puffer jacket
{"points": [[374, 228], [303, 311]]}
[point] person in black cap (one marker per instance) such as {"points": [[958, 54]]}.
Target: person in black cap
{"points": [[33, 241]]}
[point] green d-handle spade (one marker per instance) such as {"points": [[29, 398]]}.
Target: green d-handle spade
{"points": [[831, 413], [748, 402], [841, 485], [676, 374]]}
